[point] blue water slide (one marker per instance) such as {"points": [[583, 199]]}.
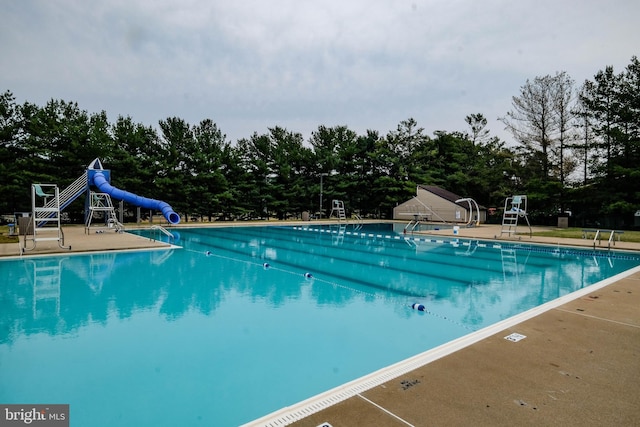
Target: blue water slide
{"points": [[99, 180]]}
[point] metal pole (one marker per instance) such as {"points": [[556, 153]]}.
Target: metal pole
{"points": [[321, 175]]}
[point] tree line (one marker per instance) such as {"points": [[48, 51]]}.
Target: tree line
{"points": [[576, 149]]}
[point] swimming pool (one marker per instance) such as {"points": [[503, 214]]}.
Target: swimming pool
{"points": [[229, 328]]}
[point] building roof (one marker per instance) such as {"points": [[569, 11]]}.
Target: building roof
{"points": [[445, 194], [441, 192]]}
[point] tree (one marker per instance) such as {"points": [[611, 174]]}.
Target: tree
{"points": [[630, 117], [361, 157], [207, 168], [585, 135], [478, 123], [177, 178], [563, 99], [336, 151], [132, 160], [610, 104], [290, 179], [601, 98], [12, 157], [255, 157], [540, 121], [532, 122], [393, 165]]}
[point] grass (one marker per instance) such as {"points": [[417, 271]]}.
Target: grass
{"points": [[8, 239], [4, 235], [576, 233]]}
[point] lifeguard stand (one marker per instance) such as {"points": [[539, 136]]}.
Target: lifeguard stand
{"points": [[44, 223], [515, 207], [337, 208], [101, 203]]}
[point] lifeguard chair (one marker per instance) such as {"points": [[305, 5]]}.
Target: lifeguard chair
{"points": [[101, 202], [45, 222], [515, 207], [337, 208]]}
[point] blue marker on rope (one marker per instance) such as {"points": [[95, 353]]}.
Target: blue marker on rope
{"points": [[266, 265], [308, 275], [419, 307]]}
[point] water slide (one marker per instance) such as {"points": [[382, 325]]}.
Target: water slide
{"points": [[97, 178]]}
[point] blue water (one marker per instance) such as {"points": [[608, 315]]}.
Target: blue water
{"points": [[209, 335]]}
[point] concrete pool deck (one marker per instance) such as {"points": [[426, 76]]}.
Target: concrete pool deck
{"points": [[578, 365], [75, 236]]}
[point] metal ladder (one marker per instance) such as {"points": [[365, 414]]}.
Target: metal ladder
{"points": [[411, 226]]}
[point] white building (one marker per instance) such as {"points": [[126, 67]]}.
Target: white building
{"points": [[436, 204]]}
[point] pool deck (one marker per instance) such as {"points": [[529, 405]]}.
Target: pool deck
{"points": [[578, 365], [79, 241]]}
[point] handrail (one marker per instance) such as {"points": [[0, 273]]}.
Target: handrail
{"points": [[163, 230], [70, 193], [597, 236], [613, 232], [471, 202], [359, 220]]}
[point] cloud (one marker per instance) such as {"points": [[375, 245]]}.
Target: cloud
{"points": [[249, 65]]}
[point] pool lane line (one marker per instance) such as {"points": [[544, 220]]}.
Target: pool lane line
{"points": [[268, 266], [356, 280]]}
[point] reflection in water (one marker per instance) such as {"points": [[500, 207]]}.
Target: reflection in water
{"points": [[483, 282], [59, 294], [44, 276]]}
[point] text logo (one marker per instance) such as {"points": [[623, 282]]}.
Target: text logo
{"points": [[34, 415]]}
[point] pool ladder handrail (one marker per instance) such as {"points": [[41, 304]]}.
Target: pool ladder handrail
{"points": [[609, 241], [163, 230]]}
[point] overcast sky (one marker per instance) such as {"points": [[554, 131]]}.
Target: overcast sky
{"points": [[252, 65]]}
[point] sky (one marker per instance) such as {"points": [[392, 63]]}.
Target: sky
{"points": [[299, 64]]}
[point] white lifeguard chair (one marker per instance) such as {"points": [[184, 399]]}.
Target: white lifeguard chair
{"points": [[101, 202], [515, 207], [45, 222], [337, 208]]}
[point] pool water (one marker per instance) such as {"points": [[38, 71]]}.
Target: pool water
{"points": [[242, 321]]}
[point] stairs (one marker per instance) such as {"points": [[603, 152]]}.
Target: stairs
{"points": [[71, 193]]}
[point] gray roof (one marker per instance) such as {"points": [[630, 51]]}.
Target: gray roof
{"points": [[445, 194]]}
